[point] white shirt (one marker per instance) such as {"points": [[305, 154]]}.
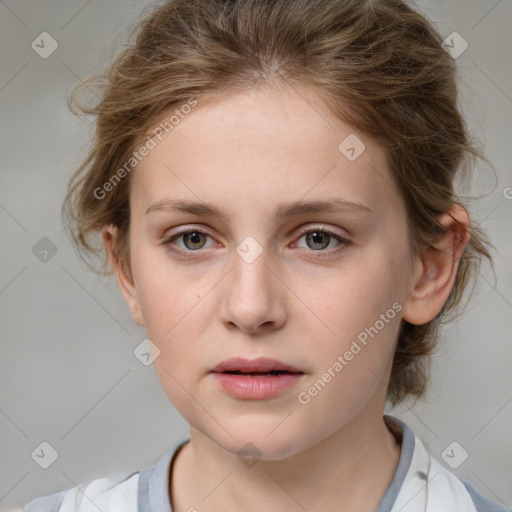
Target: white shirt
{"points": [[420, 484]]}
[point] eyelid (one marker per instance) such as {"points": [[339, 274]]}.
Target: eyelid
{"points": [[320, 227]]}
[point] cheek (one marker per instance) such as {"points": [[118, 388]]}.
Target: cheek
{"points": [[165, 293], [175, 307], [353, 365], [354, 298], [362, 309], [170, 312]]}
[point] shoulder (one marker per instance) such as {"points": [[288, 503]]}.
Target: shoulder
{"points": [[459, 491], [426, 485], [142, 491], [483, 504], [99, 494]]}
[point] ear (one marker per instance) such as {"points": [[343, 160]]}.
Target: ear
{"points": [[437, 268], [126, 283]]}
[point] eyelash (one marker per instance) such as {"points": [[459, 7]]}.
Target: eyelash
{"points": [[186, 254]]}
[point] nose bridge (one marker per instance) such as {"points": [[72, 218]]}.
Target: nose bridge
{"points": [[251, 268], [252, 299], [250, 281]]}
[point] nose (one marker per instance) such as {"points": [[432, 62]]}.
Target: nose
{"points": [[254, 297]]}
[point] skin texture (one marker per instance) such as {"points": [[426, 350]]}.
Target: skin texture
{"points": [[302, 303]]}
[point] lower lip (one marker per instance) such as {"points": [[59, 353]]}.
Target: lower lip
{"points": [[256, 387]]}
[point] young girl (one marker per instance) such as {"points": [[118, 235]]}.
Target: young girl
{"points": [[273, 183]]}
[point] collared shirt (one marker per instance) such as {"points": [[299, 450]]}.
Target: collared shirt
{"points": [[420, 484]]}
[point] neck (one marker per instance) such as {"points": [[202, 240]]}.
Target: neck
{"points": [[349, 470]]}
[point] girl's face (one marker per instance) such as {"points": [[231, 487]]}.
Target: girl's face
{"points": [[262, 267]]}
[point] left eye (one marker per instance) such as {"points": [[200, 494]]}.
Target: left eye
{"points": [[319, 239]]}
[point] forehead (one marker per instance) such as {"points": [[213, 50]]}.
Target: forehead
{"points": [[255, 147]]}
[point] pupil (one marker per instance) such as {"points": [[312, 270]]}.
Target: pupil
{"points": [[316, 238], [195, 237]]}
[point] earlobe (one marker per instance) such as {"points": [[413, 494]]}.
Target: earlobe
{"points": [[438, 268], [125, 282]]}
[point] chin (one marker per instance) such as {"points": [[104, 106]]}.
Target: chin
{"points": [[262, 438]]}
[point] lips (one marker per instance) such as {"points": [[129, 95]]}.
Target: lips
{"points": [[256, 379], [259, 366]]}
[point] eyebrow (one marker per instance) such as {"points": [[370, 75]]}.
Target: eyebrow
{"points": [[282, 210]]}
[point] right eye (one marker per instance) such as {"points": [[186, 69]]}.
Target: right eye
{"points": [[193, 241]]}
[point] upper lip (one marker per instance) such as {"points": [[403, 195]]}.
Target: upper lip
{"points": [[261, 364]]}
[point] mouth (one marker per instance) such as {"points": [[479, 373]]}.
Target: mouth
{"points": [[257, 379], [257, 367], [256, 374]]}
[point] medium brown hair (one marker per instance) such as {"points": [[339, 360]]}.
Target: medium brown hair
{"points": [[379, 66]]}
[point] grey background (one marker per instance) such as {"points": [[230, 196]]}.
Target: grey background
{"points": [[68, 375]]}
